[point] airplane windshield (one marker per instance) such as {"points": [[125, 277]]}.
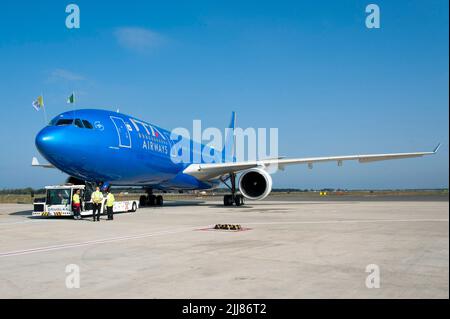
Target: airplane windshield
{"points": [[81, 123], [58, 196], [63, 122], [87, 124], [78, 123]]}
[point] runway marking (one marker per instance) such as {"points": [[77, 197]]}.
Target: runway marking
{"points": [[14, 223], [23, 222], [350, 221], [181, 230], [87, 243]]}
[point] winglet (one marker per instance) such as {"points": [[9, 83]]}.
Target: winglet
{"points": [[34, 162], [436, 149]]}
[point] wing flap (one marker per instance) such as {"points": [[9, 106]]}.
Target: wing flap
{"points": [[368, 159]]}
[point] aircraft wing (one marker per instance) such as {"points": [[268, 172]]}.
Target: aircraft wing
{"points": [[35, 163], [215, 170]]}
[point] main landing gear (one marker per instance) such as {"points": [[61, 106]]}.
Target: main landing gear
{"points": [[233, 198], [150, 199]]}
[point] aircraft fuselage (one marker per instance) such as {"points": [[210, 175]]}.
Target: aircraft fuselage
{"points": [[103, 146]]}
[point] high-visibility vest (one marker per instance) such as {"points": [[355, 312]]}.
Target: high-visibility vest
{"points": [[76, 199], [109, 200], [97, 197]]}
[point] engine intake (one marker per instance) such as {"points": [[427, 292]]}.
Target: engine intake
{"points": [[255, 184]]}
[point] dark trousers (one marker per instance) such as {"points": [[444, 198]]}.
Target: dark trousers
{"points": [[109, 211], [97, 208], [76, 211]]}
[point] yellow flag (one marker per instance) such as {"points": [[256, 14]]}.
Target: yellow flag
{"points": [[38, 103], [40, 100]]}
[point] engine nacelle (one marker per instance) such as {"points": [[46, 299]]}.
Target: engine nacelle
{"points": [[255, 184]]}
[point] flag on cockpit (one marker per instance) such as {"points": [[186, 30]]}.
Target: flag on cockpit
{"points": [[38, 103], [71, 99]]}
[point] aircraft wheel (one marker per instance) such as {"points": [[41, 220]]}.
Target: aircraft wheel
{"points": [[159, 200], [151, 200], [134, 207], [239, 200], [227, 200], [143, 201]]}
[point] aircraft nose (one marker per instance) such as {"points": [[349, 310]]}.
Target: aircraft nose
{"points": [[48, 140]]}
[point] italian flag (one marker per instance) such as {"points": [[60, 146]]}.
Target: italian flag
{"points": [[71, 98]]}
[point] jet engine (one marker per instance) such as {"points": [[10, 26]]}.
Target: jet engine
{"points": [[255, 184]]}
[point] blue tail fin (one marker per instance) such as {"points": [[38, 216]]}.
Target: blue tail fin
{"points": [[229, 148]]}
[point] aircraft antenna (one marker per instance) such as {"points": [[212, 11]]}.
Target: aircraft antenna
{"points": [[44, 108]]}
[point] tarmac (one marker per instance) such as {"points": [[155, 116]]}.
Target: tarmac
{"points": [[285, 249]]}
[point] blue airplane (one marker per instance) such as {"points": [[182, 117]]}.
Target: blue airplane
{"points": [[100, 147]]}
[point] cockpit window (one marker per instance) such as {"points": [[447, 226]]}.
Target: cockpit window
{"points": [[63, 122], [87, 124], [78, 123]]}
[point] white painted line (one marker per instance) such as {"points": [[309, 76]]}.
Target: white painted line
{"points": [[181, 230], [24, 222], [350, 221], [14, 223], [87, 243]]}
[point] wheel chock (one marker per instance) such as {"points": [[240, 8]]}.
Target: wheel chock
{"points": [[228, 226]]}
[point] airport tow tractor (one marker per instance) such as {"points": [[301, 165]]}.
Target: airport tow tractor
{"points": [[58, 202]]}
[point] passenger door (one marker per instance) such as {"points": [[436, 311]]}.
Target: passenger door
{"points": [[122, 132]]}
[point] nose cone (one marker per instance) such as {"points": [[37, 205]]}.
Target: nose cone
{"points": [[48, 141]]}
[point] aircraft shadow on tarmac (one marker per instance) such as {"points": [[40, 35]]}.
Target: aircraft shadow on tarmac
{"points": [[182, 203], [22, 213], [28, 213]]}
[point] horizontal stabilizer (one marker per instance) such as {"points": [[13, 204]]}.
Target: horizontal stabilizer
{"points": [[35, 163]]}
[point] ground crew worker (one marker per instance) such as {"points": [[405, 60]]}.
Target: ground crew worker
{"points": [[97, 199], [109, 205], [76, 204]]}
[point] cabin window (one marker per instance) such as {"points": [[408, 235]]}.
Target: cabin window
{"points": [[87, 124], [78, 123], [63, 122]]}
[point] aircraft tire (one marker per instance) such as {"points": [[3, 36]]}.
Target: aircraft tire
{"points": [[239, 200], [227, 200], [151, 200], [159, 200], [143, 201]]}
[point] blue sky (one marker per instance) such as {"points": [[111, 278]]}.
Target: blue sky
{"points": [[310, 68]]}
